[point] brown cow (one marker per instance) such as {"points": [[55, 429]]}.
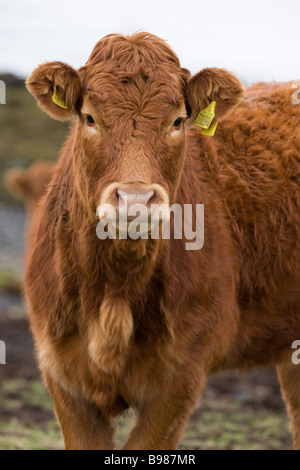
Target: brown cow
{"points": [[141, 323], [29, 185]]}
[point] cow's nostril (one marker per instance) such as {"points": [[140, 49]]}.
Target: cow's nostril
{"points": [[120, 193], [121, 198], [115, 199], [153, 199]]}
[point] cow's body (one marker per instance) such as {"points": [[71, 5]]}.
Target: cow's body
{"points": [[141, 323], [257, 170]]}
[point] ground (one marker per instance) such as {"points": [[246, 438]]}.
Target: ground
{"points": [[237, 411]]}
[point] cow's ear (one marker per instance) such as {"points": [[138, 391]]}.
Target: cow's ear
{"points": [[57, 89], [210, 85]]}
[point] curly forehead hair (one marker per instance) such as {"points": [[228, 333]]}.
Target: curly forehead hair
{"points": [[125, 63], [139, 54], [128, 53]]}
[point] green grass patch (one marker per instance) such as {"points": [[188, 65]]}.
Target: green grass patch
{"points": [[10, 281], [14, 435]]}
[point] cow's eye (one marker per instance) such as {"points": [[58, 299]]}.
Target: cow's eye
{"points": [[177, 122], [90, 120]]}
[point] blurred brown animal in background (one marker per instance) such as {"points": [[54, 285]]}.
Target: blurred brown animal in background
{"points": [[29, 185], [141, 323]]}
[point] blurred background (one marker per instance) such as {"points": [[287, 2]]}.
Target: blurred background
{"points": [[258, 41]]}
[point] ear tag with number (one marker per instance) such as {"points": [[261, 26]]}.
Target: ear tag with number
{"points": [[205, 119]]}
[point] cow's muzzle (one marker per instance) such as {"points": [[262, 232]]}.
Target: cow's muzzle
{"points": [[147, 204]]}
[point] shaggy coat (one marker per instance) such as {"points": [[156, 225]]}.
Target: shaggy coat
{"points": [[141, 323]]}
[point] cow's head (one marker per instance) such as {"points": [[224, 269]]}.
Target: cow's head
{"points": [[132, 103]]}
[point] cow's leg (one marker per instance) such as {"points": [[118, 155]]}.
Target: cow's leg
{"points": [[162, 419], [289, 377], [81, 422]]}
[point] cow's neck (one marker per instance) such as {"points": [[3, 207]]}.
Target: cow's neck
{"points": [[113, 285]]}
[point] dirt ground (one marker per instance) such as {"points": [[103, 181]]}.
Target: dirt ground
{"points": [[236, 411]]}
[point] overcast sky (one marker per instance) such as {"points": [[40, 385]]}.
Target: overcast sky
{"points": [[257, 39]]}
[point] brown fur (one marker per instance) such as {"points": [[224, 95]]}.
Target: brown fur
{"points": [[123, 323]]}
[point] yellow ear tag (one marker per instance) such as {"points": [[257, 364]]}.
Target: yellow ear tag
{"points": [[58, 101], [206, 116], [211, 130]]}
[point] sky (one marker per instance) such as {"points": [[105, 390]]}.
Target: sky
{"points": [[257, 40]]}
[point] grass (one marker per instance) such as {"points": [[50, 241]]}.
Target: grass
{"points": [[17, 436], [226, 424], [28, 423], [10, 281]]}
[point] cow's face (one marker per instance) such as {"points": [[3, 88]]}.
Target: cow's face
{"points": [[133, 103], [131, 133]]}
